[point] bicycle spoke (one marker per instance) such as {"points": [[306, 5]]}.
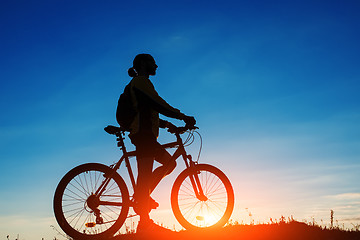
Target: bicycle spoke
{"points": [[86, 183], [211, 184], [217, 206], [80, 199], [84, 186], [72, 210], [82, 212], [189, 190], [82, 191], [191, 209], [111, 188], [83, 199], [112, 209], [70, 204], [81, 185], [97, 181], [76, 214], [186, 198]]}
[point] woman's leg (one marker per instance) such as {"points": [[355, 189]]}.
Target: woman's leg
{"points": [[145, 162], [145, 165], [168, 165]]}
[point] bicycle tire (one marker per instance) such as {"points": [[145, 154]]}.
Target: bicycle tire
{"points": [[70, 202], [193, 213]]}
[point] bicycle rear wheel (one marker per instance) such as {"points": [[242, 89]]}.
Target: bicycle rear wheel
{"points": [[75, 202], [211, 211]]}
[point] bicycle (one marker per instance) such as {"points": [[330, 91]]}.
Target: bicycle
{"points": [[92, 200]]}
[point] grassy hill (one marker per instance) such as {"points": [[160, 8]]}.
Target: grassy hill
{"points": [[278, 231]]}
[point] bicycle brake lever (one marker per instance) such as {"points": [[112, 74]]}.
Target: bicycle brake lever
{"points": [[191, 127]]}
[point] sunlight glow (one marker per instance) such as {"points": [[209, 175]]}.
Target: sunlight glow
{"points": [[207, 219]]}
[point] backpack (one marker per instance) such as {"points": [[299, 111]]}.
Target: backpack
{"points": [[125, 112]]}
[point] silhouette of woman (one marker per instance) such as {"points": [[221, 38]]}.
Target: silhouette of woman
{"points": [[144, 131]]}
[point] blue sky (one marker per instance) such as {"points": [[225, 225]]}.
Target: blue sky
{"points": [[273, 85]]}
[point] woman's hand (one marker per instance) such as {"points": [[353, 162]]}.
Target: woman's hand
{"points": [[189, 121]]}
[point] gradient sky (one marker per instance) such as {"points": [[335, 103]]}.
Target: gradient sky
{"points": [[274, 86]]}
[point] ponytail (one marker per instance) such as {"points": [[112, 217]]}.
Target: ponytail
{"points": [[132, 72]]}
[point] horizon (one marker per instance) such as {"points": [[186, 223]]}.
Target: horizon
{"points": [[274, 87]]}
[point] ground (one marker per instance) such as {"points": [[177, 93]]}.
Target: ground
{"points": [[279, 231]]}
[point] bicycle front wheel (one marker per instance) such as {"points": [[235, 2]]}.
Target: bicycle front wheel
{"points": [[82, 214], [211, 210]]}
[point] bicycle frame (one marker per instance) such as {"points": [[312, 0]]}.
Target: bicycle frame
{"points": [[180, 151]]}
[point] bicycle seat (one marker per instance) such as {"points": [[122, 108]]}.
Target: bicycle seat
{"points": [[113, 130]]}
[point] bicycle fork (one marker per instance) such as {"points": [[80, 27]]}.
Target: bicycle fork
{"points": [[195, 181]]}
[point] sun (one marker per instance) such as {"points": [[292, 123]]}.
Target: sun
{"points": [[206, 218]]}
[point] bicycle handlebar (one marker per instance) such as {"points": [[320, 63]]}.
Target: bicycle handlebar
{"points": [[181, 130], [175, 130]]}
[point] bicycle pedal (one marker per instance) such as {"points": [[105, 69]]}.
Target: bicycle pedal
{"points": [[90, 224]]}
